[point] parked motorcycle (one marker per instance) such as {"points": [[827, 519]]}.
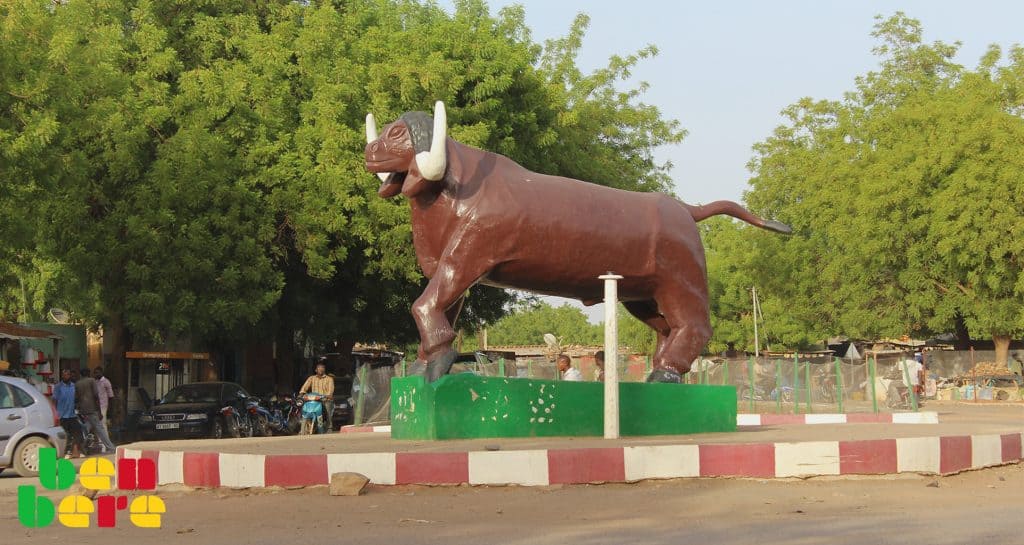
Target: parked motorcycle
{"points": [[312, 414], [238, 423], [266, 421]]}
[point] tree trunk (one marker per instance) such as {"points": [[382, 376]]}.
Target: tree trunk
{"points": [[963, 336], [118, 370], [1002, 343], [284, 363]]}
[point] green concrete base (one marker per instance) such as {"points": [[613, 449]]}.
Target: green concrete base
{"points": [[466, 406]]}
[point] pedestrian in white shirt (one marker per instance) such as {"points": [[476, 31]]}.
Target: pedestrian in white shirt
{"points": [[567, 370], [104, 393]]}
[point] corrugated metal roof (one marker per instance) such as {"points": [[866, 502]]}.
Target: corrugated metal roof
{"points": [[15, 331]]}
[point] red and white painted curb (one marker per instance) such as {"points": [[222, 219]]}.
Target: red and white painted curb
{"points": [[769, 419], [926, 455], [365, 429]]}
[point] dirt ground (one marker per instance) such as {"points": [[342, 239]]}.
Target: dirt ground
{"points": [[979, 506]]}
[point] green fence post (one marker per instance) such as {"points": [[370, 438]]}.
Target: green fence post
{"points": [[501, 366], [839, 387], [778, 387], [725, 372], [707, 372], [358, 419], [872, 363], [807, 384], [796, 378], [750, 371], [403, 368], [529, 368], [910, 389]]}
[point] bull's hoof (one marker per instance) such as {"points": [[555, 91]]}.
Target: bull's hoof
{"points": [[416, 369], [661, 374], [439, 366]]}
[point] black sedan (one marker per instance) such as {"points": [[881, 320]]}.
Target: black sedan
{"points": [[192, 410]]}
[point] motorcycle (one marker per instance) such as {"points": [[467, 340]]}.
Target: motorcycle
{"points": [[265, 421], [92, 443], [238, 423], [312, 414]]}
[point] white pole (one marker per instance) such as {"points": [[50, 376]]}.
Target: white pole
{"points": [[611, 355], [757, 343]]}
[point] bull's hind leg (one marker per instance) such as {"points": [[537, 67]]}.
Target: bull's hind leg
{"points": [[647, 312], [686, 312]]}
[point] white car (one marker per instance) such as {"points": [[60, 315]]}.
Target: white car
{"points": [[28, 422]]}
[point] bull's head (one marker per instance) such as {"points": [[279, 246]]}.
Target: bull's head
{"points": [[401, 156]]}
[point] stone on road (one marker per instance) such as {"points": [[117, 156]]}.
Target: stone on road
{"points": [[348, 484]]}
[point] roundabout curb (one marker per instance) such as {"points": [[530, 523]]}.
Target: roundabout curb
{"points": [[932, 455]]}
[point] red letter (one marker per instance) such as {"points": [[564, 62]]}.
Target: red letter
{"points": [[107, 508], [136, 474]]}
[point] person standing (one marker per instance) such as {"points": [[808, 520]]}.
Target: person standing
{"points": [[89, 407], [599, 360], [321, 383], [105, 393], [568, 372], [64, 397]]}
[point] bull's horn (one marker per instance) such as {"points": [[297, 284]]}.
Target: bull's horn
{"points": [[432, 163], [371, 135]]}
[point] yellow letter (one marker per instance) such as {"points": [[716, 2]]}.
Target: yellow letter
{"points": [[97, 474], [74, 511], [145, 511]]}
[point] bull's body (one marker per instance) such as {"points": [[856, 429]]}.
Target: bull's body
{"points": [[554, 236], [479, 217]]}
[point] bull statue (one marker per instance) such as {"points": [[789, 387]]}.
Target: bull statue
{"points": [[480, 218]]}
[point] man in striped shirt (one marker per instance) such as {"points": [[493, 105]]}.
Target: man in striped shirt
{"points": [[321, 383]]}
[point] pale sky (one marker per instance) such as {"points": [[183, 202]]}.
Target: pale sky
{"points": [[726, 68]]}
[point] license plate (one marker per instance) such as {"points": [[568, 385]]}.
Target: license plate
{"points": [[172, 426]]}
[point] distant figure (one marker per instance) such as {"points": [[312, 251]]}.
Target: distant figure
{"points": [[321, 383], [914, 371], [569, 372], [105, 392], [599, 359], [88, 404], [64, 397]]}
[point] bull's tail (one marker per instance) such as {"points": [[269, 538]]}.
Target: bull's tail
{"points": [[730, 208]]}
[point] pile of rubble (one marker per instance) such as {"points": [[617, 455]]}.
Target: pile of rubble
{"points": [[988, 369]]}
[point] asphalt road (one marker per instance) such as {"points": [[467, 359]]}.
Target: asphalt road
{"points": [[974, 507]]}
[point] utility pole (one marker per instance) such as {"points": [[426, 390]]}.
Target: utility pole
{"points": [[757, 342], [611, 355]]}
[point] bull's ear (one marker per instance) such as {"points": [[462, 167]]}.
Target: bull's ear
{"points": [[432, 164]]}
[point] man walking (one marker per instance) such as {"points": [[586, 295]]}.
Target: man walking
{"points": [[105, 392], [64, 397], [89, 407]]}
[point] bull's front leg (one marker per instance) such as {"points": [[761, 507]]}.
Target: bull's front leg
{"points": [[435, 312]]}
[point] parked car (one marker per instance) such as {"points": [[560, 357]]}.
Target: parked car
{"points": [[192, 411], [28, 422]]}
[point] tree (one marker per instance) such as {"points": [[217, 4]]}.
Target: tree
{"points": [[195, 169], [528, 325], [901, 195]]}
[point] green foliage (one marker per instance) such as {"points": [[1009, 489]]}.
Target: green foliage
{"points": [[527, 326], [905, 196], [633, 333], [196, 168]]}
